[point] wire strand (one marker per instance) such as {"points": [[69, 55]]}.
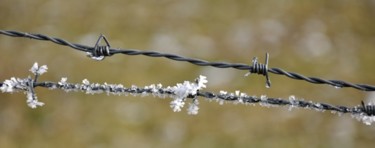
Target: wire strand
{"points": [[199, 62], [180, 93]]}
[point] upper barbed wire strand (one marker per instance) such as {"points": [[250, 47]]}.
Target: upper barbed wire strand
{"points": [[199, 62]]}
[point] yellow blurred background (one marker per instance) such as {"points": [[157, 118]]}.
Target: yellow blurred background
{"points": [[327, 39]]}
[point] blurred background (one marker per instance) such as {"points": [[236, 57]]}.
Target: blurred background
{"points": [[327, 39]]}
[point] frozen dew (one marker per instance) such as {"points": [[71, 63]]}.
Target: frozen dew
{"points": [[243, 95], [309, 106], [263, 98], [292, 99], [237, 93], [240, 100], [263, 101], [42, 69], [32, 100], [8, 85], [333, 112], [34, 104], [201, 81], [193, 107], [268, 85], [36, 70], [133, 87], [97, 58], [336, 112], [293, 102], [177, 104], [368, 120], [153, 88], [221, 102], [62, 81], [85, 82], [87, 87], [159, 86], [182, 90], [318, 107], [179, 93], [223, 92], [52, 87], [239, 96], [15, 84], [337, 87]]}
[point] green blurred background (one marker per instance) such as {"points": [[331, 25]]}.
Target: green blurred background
{"points": [[328, 39]]}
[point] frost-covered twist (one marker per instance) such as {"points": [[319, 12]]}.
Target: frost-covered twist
{"points": [[26, 85]]}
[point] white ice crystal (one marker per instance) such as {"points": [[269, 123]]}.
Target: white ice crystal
{"points": [[193, 107], [86, 82], [8, 85], [201, 81], [36, 70], [16, 84], [177, 104], [98, 58], [182, 90], [368, 120], [32, 100], [223, 92], [63, 81]]}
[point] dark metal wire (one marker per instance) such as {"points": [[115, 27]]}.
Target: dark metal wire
{"points": [[366, 109], [112, 51], [363, 109]]}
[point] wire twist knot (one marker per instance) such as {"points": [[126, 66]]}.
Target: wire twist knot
{"points": [[261, 69], [100, 52], [368, 109]]}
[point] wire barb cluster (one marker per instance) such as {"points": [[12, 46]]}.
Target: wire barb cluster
{"points": [[369, 109], [99, 52], [262, 69]]}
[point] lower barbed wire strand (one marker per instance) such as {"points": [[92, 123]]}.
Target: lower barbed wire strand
{"points": [[208, 95], [84, 48], [364, 113]]}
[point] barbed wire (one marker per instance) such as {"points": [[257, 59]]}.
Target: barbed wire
{"points": [[180, 93], [100, 52]]}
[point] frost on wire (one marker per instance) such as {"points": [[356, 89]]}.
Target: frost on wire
{"points": [[26, 85], [179, 94]]}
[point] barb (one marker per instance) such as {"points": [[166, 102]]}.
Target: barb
{"points": [[111, 51], [100, 52], [261, 69]]}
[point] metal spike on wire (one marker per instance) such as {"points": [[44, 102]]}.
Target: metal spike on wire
{"points": [[99, 52]]}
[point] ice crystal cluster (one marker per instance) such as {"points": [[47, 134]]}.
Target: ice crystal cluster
{"points": [[27, 85], [179, 93], [182, 90], [368, 120]]}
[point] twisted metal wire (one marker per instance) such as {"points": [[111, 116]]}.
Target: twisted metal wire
{"points": [[199, 62], [364, 113], [364, 109]]}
